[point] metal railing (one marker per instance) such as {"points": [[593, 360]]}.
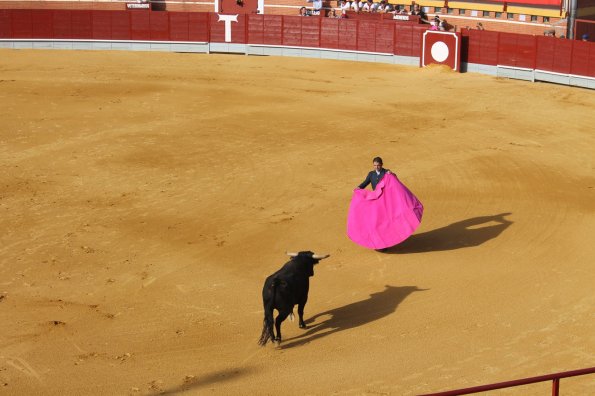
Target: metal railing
{"points": [[555, 378]]}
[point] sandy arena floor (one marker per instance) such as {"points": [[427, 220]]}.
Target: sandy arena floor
{"points": [[144, 198]]}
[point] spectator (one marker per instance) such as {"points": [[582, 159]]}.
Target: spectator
{"points": [[316, 6], [480, 26], [442, 24], [419, 12], [304, 12], [361, 4], [585, 37], [332, 14], [400, 10], [355, 6], [344, 5], [373, 6], [549, 33], [388, 7], [367, 6]]}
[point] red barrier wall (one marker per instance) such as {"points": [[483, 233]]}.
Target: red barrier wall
{"points": [[329, 33], [366, 35], [516, 50], [583, 59], [553, 54], [482, 47]]}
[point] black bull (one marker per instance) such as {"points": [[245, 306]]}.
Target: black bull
{"points": [[286, 288]]}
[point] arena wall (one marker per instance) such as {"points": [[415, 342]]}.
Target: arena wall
{"points": [[528, 17], [503, 54]]}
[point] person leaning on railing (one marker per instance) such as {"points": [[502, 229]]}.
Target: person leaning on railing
{"points": [[417, 10], [384, 7], [354, 6], [344, 5]]}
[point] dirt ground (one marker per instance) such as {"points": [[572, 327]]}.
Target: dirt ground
{"points": [[145, 197]]}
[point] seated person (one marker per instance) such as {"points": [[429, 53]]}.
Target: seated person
{"points": [[332, 14], [304, 12], [345, 5]]}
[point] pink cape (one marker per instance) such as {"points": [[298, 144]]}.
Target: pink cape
{"points": [[384, 217]]}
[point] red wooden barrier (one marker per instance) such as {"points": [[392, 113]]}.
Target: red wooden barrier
{"points": [[198, 26], [311, 32], [273, 30], [121, 26], [43, 25], [6, 23], [383, 36], [329, 33], [21, 24], [553, 54], [516, 50], [81, 24], [583, 59], [482, 47], [159, 24], [255, 28], [366, 35], [403, 40], [292, 30], [348, 34], [140, 25]]}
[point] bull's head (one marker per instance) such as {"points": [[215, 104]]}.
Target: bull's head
{"points": [[309, 254], [309, 259]]}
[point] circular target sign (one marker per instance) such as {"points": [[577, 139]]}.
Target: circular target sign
{"points": [[439, 51]]}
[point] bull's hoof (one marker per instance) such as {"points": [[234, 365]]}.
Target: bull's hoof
{"points": [[302, 325], [277, 340]]}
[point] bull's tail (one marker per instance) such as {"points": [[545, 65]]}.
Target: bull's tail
{"points": [[269, 306]]}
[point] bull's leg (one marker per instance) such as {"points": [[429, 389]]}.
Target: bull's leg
{"points": [[301, 315], [282, 316]]}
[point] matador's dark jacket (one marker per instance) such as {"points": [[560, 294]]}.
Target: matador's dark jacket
{"points": [[373, 178]]}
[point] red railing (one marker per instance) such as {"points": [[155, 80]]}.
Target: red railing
{"points": [[555, 378]]}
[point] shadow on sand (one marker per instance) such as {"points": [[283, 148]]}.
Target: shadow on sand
{"points": [[466, 233], [205, 381], [377, 306]]}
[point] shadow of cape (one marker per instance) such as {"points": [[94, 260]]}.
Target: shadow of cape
{"points": [[462, 234], [377, 306]]}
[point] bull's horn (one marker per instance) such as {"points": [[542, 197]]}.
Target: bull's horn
{"points": [[320, 256], [291, 254]]}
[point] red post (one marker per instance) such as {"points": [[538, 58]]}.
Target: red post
{"points": [[556, 387]]}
